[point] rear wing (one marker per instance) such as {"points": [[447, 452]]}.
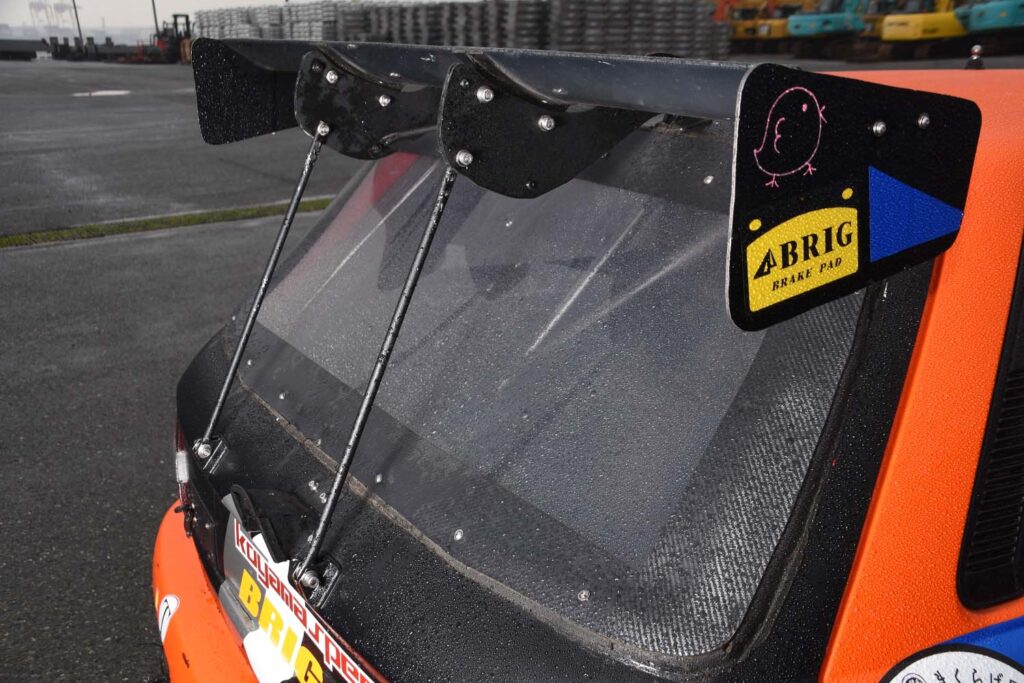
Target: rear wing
{"points": [[835, 183]]}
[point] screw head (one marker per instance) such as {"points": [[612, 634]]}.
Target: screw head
{"points": [[384, 100], [923, 121], [583, 595], [484, 94], [546, 123], [323, 129], [708, 179], [309, 579], [332, 77], [379, 478], [459, 535], [204, 450], [879, 128], [464, 83], [464, 157]]}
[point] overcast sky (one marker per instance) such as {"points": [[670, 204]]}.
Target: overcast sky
{"points": [[122, 12]]}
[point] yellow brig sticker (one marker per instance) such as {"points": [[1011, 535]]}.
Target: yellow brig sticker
{"points": [[801, 254]]}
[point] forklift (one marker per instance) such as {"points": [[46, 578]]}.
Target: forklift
{"points": [[174, 41]]}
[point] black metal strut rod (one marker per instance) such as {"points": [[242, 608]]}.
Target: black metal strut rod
{"points": [[306, 576], [203, 447]]}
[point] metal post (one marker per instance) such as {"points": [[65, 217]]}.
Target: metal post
{"points": [[202, 446], [81, 40], [303, 573], [156, 22]]}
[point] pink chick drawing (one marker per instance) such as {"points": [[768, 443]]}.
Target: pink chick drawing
{"points": [[792, 135]]}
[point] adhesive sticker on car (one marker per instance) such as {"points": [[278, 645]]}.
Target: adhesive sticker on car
{"points": [[286, 640], [801, 254], [168, 606], [956, 664]]}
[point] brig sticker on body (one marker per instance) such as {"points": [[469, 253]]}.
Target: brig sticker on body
{"points": [[287, 641]]}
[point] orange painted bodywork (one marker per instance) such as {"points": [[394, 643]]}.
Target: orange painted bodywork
{"points": [[901, 596], [201, 645]]}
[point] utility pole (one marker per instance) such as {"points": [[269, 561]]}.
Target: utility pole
{"points": [[81, 40], [156, 22]]}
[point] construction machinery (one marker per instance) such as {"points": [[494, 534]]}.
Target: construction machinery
{"points": [[829, 31], [760, 25], [174, 41], [874, 13], [171, 44], [743, 19], [772, 27], [920, 28], [998, 25], [868, 45], [994, 15]]}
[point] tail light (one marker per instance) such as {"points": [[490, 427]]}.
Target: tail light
{"points": [[181, 473]]}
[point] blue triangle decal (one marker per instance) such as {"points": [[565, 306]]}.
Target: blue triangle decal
{"points": [[903, 217]]}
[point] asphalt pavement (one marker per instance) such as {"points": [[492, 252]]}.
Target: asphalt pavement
{"points": [[94, 335], [89, 142]]}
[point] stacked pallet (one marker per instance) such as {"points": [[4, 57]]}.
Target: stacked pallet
{"points": [[270, 21], [353, 21], [311, 20], [679, 27], [524, 23]]}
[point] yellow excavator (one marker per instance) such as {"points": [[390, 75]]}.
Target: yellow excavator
{"points": [[919, 27], [869, 47], [761, 25], [875, 13], [743, 18], [772, 26]]}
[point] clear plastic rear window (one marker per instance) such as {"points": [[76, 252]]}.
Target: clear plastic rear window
{"points": [[568, 391]]}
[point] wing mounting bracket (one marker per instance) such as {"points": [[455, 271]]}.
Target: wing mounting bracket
{"points": [[518, 146], [367, 113]]}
